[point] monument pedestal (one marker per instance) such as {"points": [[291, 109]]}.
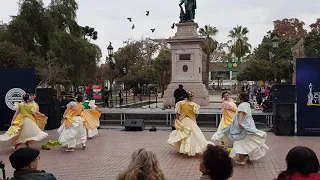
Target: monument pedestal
{"points": [[186, 49]]}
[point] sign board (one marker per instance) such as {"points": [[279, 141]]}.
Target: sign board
{"points": [[14, 83], [308, 92], [97, 93]]}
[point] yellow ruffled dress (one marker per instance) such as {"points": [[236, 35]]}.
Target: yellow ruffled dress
{"points": [[188, 137], [92, 118], [41, 119], [24, 128], [229, 109], [72, 131]]}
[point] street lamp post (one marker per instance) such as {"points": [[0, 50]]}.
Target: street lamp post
{"points": [[111, 63], [275, 44]]}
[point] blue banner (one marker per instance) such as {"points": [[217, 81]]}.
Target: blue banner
{"points": [[14, 83], [308, 92]]}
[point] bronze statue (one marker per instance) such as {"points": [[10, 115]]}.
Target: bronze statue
{"points": [[188, 13]]}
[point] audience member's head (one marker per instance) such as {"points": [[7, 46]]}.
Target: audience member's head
{"points": [[301, 160], [25, 158], [180, 86], [143, 166], [216, 163]]}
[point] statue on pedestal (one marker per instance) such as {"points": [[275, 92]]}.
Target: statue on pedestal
{"points": [[188, 13]]}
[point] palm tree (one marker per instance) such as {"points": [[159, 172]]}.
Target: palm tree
{"points": [[239, 40], [210, 45]]}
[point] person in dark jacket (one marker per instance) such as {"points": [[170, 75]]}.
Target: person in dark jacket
{"points": [[64, 103], [180, 94], [25, 162]]}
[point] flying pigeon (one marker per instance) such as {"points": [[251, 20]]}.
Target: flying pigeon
{"points": [[147, 13], [130, 19], [173, 25], [152, 30], [132, 26]]}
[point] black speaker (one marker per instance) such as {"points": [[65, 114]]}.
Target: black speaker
{"points": [[134, 125], [53, 112], [284, 94], [45, 95], [284, 116]]}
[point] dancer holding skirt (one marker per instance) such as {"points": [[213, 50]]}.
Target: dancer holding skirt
{"points": [[248, 140], [188, 137], [23, 129], [91, 114], [228, 108], [72, 131]]}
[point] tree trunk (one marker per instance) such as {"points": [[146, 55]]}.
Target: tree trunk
{"points": [[206, 80], [240, 64]]}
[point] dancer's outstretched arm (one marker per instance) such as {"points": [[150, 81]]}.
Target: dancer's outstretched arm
{"points": [[241, 116]]}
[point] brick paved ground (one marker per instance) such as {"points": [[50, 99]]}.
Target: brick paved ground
{"points": [[109, 154]]}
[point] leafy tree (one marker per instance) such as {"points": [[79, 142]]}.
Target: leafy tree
{"points": [[208, 32], [289, 29], [12, 56], [162, 66], [90, 33], [312, 41], [239, 41]]}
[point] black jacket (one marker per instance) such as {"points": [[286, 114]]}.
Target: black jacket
{"points": [[28, 174], [180, 94]]}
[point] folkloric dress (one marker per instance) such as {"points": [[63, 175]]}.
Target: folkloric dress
{"points": [[24, 127], [229, 108], [188, 137], [41, 119], [247, 140], [72, 131], [92, 118]]}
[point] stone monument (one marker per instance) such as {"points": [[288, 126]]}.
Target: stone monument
{"points": [[186, 48]]}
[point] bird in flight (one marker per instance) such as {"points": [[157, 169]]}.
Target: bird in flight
{"points": [[173, 25], [147, 13], [130, 19], [152, 30], [132, 26]]}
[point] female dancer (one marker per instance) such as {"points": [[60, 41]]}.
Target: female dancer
{"points": [[92, 115], [188, 137], [143, 165], [229, 108], [23, 129], [248, 140], [41, 119], [72, 131]]}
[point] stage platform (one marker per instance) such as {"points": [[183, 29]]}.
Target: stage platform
{"points": [[169, 114]]}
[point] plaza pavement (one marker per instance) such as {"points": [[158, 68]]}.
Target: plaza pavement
{"points": [[109, 154]]}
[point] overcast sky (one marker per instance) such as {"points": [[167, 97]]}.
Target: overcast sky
{"points": [[109, 17]]}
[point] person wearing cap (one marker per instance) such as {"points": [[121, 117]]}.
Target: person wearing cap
{"points": [[25, 162], [72, 131], [188, 137], [24, 129]]}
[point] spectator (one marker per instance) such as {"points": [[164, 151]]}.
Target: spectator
{"points": [[121, 97], [143, 166], [302, 164], [106, 98], [25, 162], [180, 94], [215, 164], [267, 92], [64, 103]]}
